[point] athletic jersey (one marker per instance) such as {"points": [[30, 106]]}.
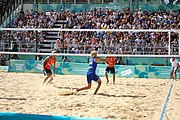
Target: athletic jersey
{"points": [[110, 61], [174, 63], [49, 62], [92, 66]]}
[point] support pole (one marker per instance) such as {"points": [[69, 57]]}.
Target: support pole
{"points": [[36, 30], [169, 48], [179, 43], [131, 6]]}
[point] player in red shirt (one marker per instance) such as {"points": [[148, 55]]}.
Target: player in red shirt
{"points": [[47, 63], [110, 61]]}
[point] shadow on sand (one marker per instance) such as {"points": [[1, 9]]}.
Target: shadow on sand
{"points": [[5, 98], [127, 95]]}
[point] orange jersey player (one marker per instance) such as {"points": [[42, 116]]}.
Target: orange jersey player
{"points": [[110, 61], [47, 63]]}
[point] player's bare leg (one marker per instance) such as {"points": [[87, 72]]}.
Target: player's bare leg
{"points": [[46, 78], [84, 88], [106, 74], [171, 76], [113, 78], [50, 81], [174, 77], [99, 85]]}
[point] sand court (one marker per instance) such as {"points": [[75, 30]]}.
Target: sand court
{"points": [[128, 99]]}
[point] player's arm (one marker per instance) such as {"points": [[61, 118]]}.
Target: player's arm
{"points": [[106, 60], [98, 59], [178, 65], [114, 61], [171, 61]]}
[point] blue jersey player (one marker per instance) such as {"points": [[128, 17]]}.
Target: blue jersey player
{"points": [[91, 73]]}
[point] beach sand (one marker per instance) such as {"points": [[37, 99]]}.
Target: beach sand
{"points": [[128, 99]]}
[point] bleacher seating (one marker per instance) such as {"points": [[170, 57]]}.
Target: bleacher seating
{"points": [[136, 43]]}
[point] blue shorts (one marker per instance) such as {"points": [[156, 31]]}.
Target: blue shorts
{"points": [[91, 77]]}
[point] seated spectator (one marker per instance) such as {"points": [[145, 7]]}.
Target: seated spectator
{"points": [[3, 60], [65, 59], [39, 57], [57, 46], [13, 56]]}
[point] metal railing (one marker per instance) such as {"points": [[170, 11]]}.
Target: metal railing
{"points": [[82, 48], [9, 11]]}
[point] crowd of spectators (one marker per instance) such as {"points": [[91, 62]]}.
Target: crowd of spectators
{"points": [[122, 42], [119, 42], [28, 19]]}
